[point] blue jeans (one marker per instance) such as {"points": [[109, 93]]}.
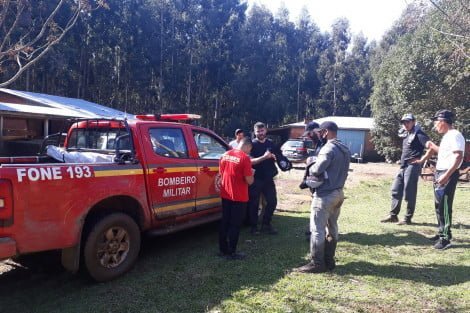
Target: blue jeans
{"points": [[324, 221], [405, 186]]}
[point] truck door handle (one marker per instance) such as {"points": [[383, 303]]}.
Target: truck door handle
{"points": [[205, 169], [159, 170]]}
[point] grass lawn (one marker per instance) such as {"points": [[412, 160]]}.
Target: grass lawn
{"points": [[380, 268]]}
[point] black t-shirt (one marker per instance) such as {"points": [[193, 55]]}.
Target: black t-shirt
{"points": [[267, 168], [413, 145]]}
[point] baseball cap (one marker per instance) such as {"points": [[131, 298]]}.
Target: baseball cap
{"points": [[329, 126], [445, 115], [309, 127], [238, 130], [407, 117]]}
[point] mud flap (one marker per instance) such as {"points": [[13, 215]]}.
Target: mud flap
{"points": [[71, 258]]}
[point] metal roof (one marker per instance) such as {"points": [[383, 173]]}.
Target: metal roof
{"points": [[343, 122], [49, 105]]}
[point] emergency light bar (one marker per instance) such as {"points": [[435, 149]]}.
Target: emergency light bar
{"points": [[168, 117]]}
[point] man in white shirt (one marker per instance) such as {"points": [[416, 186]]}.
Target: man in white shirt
{"points": [[449, 159], [239, 135]]}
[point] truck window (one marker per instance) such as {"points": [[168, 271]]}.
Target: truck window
{"points": [[97, 139], [208, 146], [168, 142]]}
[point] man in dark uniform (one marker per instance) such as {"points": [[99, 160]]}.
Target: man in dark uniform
{"points": [[406, 181], [263, 161], [317, 144]]}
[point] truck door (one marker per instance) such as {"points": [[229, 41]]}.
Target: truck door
{"points": [[210, 149], [172, 174]]}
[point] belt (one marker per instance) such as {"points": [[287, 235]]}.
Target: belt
{"points": [[409, 161]]}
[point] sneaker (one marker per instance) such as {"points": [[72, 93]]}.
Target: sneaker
{"points": [[404, 222], [268, 229], [390, 219], [311, 268], [442, 244], [236, 256]]}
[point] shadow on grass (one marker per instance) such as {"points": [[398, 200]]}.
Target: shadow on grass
{"points": [[460, 226], [174, 273], [454, 226], [425, 224], [433, 274], [398, 238]]}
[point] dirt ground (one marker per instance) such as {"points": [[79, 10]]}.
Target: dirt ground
{"points": [[291, 196]]}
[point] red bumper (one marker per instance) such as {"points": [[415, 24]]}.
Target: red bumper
{"points": [[7, 248]]}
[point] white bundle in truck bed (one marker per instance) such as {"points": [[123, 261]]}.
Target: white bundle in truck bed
{"points": [[62, 155]]}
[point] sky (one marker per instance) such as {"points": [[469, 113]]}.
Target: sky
{"points": [[371, 17]]}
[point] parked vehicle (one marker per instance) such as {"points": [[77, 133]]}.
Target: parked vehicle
{"points": [[153, 176], [297, 150]]}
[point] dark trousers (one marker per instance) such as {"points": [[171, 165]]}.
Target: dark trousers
{"points": [[443, 199], [405, 186], [229, 228], [268, 189]]}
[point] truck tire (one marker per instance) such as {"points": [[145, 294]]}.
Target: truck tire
{"points": [[111, 247]]}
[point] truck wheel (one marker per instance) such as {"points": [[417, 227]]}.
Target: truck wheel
{"points": [[111, 247]]}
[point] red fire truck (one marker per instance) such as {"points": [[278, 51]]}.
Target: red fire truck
{"points": [[113, 181]]}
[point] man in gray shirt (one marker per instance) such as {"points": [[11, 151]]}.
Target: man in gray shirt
{"points": [[333, 160]]}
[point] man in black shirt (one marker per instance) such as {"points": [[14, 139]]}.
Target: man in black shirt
{"points": [[406, 181], [265, 170]]}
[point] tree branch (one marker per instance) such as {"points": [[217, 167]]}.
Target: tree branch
{"points": [[17, 18], [448, 17], [5, 7], [450, 34], [32, 60], [48, 22]]}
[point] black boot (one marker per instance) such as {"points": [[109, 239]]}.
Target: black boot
{"points": [[311, 267], [330, 250]]}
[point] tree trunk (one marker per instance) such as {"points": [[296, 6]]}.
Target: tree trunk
{"points": [[188, 100]]}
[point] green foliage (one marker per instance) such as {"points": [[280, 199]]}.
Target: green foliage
{"points": [[418, 69]]}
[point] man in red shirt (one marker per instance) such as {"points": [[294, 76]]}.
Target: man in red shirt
{"points": [[236, 174]]}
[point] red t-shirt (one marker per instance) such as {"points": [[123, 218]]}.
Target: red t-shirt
{"points": [[234, 166]]}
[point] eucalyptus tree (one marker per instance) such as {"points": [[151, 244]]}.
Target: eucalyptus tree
{"points": [[218, 35], [358, 82], [332, 71], [309, 47], [252, 78]]}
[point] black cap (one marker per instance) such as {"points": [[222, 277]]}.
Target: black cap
{"points": [[407, 117], [238, 130], [329, 126], [443, 115], [309, 127]]}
